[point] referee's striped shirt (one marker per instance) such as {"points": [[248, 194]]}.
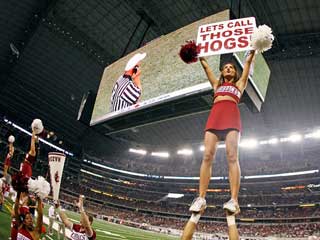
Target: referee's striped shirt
{"points": [[124, 93]]}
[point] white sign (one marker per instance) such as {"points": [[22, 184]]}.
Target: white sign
{"points": [[56, 163], [225, 37]]}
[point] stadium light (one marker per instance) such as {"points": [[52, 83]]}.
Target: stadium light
{"points": [[175, 195], [263, 142], [91, 173], [273, 141], [138, 151], [270, 141], [248, 143], [295, 137], [160, 154], [221, 146], [282, 174], [185, 151], [315, 134]]}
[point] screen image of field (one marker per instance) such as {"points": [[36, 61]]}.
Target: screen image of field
{"points": [[261, 73], [162, 70]]}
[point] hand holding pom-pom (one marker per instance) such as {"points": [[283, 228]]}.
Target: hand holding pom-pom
{"points": [[20, 182], [189, 52], [37, 126], [262, 38], [11, 139]]}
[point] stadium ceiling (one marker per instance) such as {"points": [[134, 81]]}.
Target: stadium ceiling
{"points": [[52, 52]]}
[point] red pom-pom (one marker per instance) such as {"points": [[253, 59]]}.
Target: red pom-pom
{"points": [[189, 52], [20, 182], [24, 210]]}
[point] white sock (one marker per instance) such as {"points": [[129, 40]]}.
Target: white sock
{"points": [[231, 220], [195, 217]]}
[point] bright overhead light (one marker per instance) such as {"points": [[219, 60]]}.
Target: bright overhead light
{"points": [[221, 146], [160, 154], [295, 137], [248, 143], [270, 141], [315, 134], [282, 174], [273, 141], [175, 195], [185, 152], [91, 173], [138, 151]]}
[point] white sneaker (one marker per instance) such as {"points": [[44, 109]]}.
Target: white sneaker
{"points": [[198, 204], [232, 206]]}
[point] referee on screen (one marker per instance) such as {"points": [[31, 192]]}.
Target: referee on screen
{"points": [[127, 89]]}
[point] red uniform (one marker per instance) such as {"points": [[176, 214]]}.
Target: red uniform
{"points": [[23, 234], [225, 114], [14, 229], [7, 162], [77, 234], [26, 167], [14, 224]]}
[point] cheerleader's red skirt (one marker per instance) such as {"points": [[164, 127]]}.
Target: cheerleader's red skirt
{"points": [[224, 115]]}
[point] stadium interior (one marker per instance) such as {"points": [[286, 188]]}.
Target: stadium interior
{"points": [[53, 53]]}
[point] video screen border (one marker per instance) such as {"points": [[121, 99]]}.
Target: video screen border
{"points": [[193, 90]]}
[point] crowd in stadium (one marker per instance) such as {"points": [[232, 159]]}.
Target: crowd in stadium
{"points": [[265, 212], [138, 219], [135, 217], [142, 201]]}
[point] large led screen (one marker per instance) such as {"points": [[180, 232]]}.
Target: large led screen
{"points": [[164, 76]]}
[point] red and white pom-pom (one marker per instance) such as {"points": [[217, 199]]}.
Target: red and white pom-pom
{"points": [[39, 186], [11, 139], [37, 126], [32, 185], [262, 38], [189, 52]]}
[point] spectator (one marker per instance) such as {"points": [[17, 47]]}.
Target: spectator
{"points": [[82, 230], [52, 217]]}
